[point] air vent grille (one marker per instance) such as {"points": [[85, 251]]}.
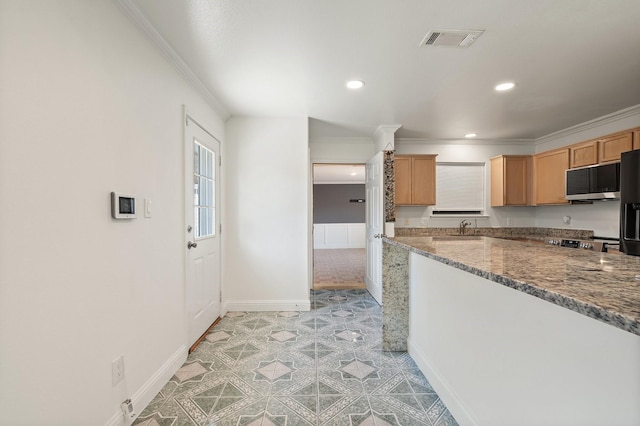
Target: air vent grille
{"points": [[433, 38], [452, 38]]}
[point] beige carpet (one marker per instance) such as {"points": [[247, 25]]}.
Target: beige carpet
{"points": [[338, 268]]}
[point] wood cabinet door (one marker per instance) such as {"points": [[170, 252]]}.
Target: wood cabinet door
{"points": [[517, 181], [423, 185], [497, 181], [584, 154], [402, 176], [636, 138], [511, 180], [549, 170], [612, 147]]}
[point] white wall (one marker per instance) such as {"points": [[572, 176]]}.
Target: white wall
{"points": [[601, 216], [341, 150], [267, 228], [88, 106], [496, 355], [465, 151], [339, 235]]}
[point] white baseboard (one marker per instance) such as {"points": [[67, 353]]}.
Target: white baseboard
{"points": [[374, 290], [266, 305], [143, 396], [442, 388]]}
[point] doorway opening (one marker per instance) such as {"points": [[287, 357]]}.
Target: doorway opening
{"points": [[339, 232]]}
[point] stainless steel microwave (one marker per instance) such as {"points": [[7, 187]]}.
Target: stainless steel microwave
{"points": [[600, 182]]}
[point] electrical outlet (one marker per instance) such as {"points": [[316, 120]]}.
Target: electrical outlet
{"points": [[117, 370], [127, 410]]}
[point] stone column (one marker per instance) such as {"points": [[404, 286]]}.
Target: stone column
{"points": [[395, 296]]}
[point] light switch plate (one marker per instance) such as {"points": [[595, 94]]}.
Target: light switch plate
{"points": [[147, 207]]}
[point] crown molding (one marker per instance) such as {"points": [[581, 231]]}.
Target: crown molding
{"points": [[458, 141], [340, 140], [385, 129], [138, 18], [384, 136], [597, 122]]}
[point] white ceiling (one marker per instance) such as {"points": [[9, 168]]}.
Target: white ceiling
{"points": [[572, 60]]}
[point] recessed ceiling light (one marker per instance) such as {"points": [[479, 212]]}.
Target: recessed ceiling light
{"points": [[353, 173], [505, 86], [470, 135], [355, 84]]}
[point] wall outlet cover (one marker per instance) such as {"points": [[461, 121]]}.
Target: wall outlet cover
{"points": [[117, 370]]}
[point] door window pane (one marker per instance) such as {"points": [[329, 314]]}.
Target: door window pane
{"points": [[203, 222], [196, 158], [203, 192], [196, 190], [210, 165], [203, 160]]}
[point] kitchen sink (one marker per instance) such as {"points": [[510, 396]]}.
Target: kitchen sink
{"points": [[457, 238]]}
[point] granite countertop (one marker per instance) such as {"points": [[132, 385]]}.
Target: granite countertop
{"points": [[599, 285]]}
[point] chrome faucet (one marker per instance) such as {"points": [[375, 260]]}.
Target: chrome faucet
{"points": [[463, 226]]}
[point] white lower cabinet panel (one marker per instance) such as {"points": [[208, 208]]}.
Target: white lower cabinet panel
{"points": [[497, 356], [339, 235]]}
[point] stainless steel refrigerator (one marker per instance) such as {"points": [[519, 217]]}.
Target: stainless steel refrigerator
{"points": [[630, 202]]}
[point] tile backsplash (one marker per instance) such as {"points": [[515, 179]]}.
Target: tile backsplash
{"points": [[526, 232]]}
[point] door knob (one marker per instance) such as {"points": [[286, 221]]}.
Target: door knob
{"points": [[191, 245]]}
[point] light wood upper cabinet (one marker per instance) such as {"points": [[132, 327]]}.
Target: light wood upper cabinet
{"points": [[636, 138], [511, 180], [612, 146], [424, 180], [415, 180], [402, 171], [584, 154], [549, 176]]}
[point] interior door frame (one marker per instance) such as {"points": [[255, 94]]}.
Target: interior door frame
{"points": [[312, 218], [188, 120]]}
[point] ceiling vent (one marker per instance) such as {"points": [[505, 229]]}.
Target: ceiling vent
{"points": [[454, 38]]}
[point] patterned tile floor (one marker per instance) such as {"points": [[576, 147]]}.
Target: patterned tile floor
{"points": [[323, 367]]}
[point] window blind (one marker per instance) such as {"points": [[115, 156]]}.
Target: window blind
{"points": [[460, 187]]}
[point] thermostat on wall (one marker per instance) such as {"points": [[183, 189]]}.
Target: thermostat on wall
{"points": [[123, 206]]}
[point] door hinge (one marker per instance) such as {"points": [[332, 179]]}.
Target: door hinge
{"points": [[220, 229], [220, 160], [220, 296]]}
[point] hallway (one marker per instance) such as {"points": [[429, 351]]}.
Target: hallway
{"points": [[339, 269], [323, 367]]}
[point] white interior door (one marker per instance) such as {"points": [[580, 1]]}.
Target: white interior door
{"points": [[374, 225], [202, 228]]}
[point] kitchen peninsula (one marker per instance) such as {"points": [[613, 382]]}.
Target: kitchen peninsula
{"points": [[511, 332]]}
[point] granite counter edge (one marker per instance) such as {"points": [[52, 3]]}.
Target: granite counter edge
{"points": [[592, 311]]}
